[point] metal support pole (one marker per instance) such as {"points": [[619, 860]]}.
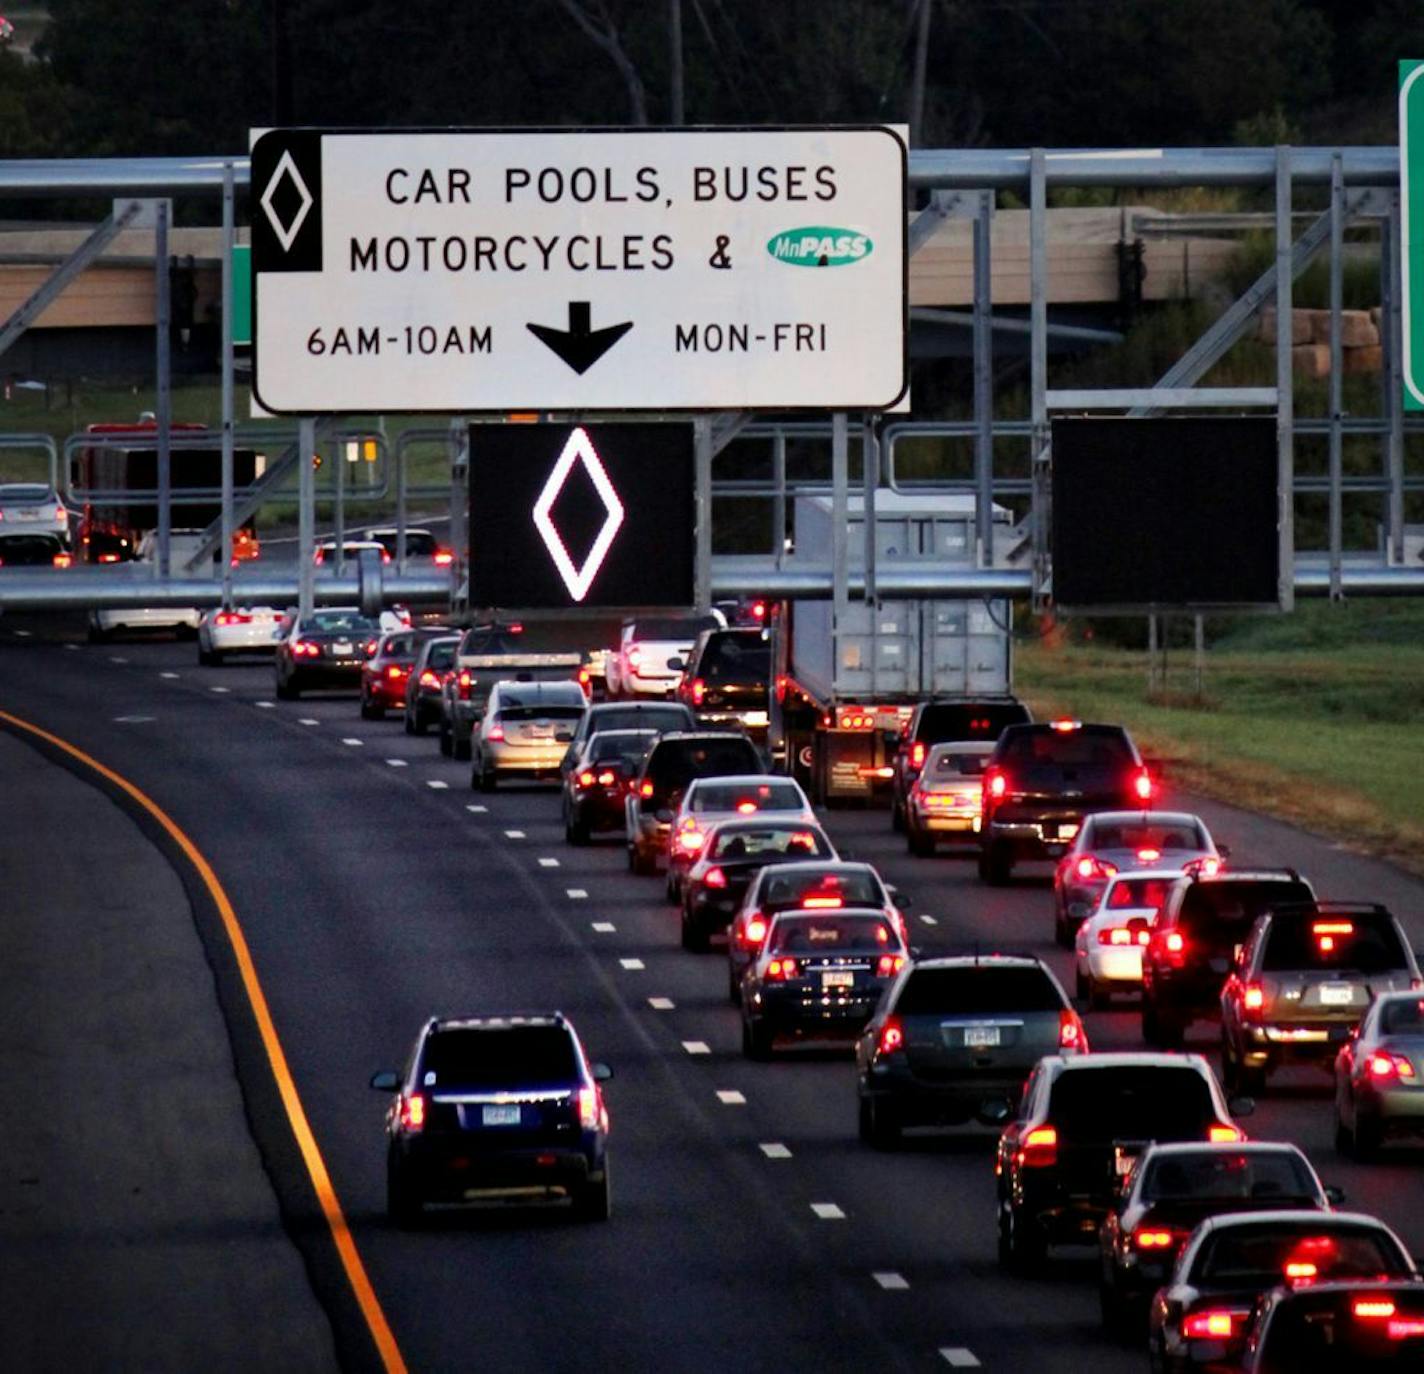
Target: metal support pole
{"points": [[1285, 395], [164, 404], [1038, 371], [1393, 322], [228, 237], [840, 532], [460, 516], [984, 380], [778, 500], [1199, 656], [338, 517], [401, 510], [306, 515], [870, 481], [1337, 247], [1151, 654], [702, 451]]}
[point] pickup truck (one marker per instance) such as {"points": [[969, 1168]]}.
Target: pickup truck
{"points": [[490, 654]]}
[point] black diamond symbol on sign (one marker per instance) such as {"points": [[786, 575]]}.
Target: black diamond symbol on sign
{"points": [[286, 181], [578, 513]]}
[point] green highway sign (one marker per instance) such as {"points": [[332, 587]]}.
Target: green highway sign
{"points": [[1411, 196], [241, 294]]}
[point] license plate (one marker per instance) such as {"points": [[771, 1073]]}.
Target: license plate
{"points": [[1067, 832], [755, 718], [500, 1116], [28, 514], [840, 978], [342, 648], [980, 1037], [1336, 994]]}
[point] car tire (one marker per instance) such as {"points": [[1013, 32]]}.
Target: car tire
{"points": [[484, 778], [1098, 997], [882, 1124], [403, 1205], [461, 750], [734, 986], [641, 864], [1062, 932], [995, 868], [576, 832], [418, 724], [286, 692], [447, 742], [1021, 1248], [97, 634], [756, 1043], [594, 1201], [1366, 1139], [921, 846], [897, 819], [407, 724], [1113, 1309], [206, 657], [370, 711], [694, 939]]}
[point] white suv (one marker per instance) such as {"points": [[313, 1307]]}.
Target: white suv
{"points": [[638, 667]]}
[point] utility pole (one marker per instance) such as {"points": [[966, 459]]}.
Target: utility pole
{"points": [[679, 112], [917, 82]]}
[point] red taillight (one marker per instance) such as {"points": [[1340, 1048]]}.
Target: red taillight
{"points": [[443, 558], [1218, 1324], [607, 778], [319, 557], [690, 839], [429, 679], [108, 558], [1071, 1035], [464, 684], [1142, 786], [646, 789], [304, 648], [412, 1112], [1301, 1271], [1089, 867], [1209, 866], [495, 733], [917, 754], [1254, 997], [395, 672], [1225, 1135], [1152, 1240], [63, 560], [699, 691], [1384, 1066], [1148, 856], [592, 1116], [888, 965], [586, 779], [892, 1036], [754, 932], [371, 646], [822, 903], [585, 681], [1039, 1148], [782, 969], [1124, 935], [1373, 1309], [715, 878], [996, 784], [1064, 725], [1405, 1328]]}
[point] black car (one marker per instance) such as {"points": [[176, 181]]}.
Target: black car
{"points": [[727, 680], [1204, 921], [497, 1108], [34, 551], [661, 717], [673, 762], [427, 675], [324, 649], [1360, 1324], [732, 855], [1081, 1126], [596, 787], [1042, 780], [956, 1038], [1173, 1189], [941, 721]]}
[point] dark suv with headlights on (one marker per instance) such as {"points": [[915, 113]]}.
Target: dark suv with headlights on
{"points": [[496, 1108], [1042, 780], [1301, 983]]}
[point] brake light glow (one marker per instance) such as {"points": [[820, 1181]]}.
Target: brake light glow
{"points": [[585, 779], [1039, 1148], [1405, 1328], [304, 648], [758, 610], [699, 691], [1142, 786], [691, 840], [585, 681], [1385, 1065], [412, 1112], [1063, 725], [1254, 997], [63, 560], [1373, 1309], [607, 778], [443, 558], [1124, 935], [1216, 1325], [495, 733], [1333, 927], [1148, 856], [755, 931], [464, 684], [917, 754], [1086, 868], [782, 969], [746, 808], [998, 784], [1071, 1035], [888, 965], [429, 679], [646, 790], [1152, 1240], [1300, 1271], [108, 558], [592, 1116], [395, 672], [892, 1036], [715, 878], [822, 903], [1225, 1135]]}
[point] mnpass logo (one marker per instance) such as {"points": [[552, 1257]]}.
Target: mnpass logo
{"points": [[819, 246]]}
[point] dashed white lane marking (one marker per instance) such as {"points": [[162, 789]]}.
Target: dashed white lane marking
{"points": [[398, 763], [661, 1003], [827, 1211], [632, 965], [476, 808], [513, 834], [774, 1149], [74, 647], [133, 720], [958, 1357], [577, 893], [307, 720], [265, 705], [891, 1281], [169, 676], [221, 691], [439, 784], [548, 863], [111, 660], [604, 927], [353, 740], [697, 1047], [22, 634], [730, 1097], [928, 920]]}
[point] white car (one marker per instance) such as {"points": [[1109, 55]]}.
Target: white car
{"points": [[182, 545], [638, 667], [324, 555], [1108, 946], [32, 508], [709, 800], [421, 547], [240, 630]]}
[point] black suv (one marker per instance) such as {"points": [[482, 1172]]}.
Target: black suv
{"points": [[957, 1036], [1041, 780], [727, 679], [944, 721], [1081, 1127], [661, 716], [496, 1108], [1199, 928]]}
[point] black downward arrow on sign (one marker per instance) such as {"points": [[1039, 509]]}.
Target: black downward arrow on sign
{"points": [[578, 345]]}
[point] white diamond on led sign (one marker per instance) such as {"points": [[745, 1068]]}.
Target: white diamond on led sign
{"points": [[578, 449], [286, 167]]}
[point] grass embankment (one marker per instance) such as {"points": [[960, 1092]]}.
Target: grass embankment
{"points": [[1316, 717]]}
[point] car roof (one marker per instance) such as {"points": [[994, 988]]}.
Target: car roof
{"points": [[608, 707], [1305, 1216], [557, 688], [1224, 1147], [622, 730], [798, 913], [1149, 816], [1173, 875], [698, 736], [391, 529], [498, 1021], [982, 961], [1249, 875], [962, 746], [1127, 1059], [742, 780], [769, 821]]}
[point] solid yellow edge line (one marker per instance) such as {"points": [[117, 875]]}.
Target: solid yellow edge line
{"points": [[296, 1114]]}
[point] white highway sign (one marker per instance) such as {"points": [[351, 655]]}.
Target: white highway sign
{"points": [[595, 270]]}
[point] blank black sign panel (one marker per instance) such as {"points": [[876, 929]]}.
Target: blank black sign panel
{"points": [[568, 516], [1178, 512]]}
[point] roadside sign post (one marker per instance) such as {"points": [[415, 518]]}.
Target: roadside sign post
{"points": [[1411, 194]]}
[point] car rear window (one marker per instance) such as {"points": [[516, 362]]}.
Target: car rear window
{"points": [[515, 714], [764, 842], [941, 722], [1224, 912], [1403, 1016], [955, 765], [823, 934], [441, 655], [497, 1058], [26, 494], [681, 631], [29, 550], [1088, 746], [1182, 834], [1257, 1255], [339, 622], [418, 543], [641, 718], [674, 763], [1360, 943], [1138, 893], [491, 642], [400, 646], [1121, 1102], [782, 891], [735, 658], [765, 796], [1323, 1331], [1252, 1175], [628, 746], [973, 990]]}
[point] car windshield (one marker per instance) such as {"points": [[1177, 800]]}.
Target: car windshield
{"points": [[1360, 943], [1158, 835], [339, 622], [1138, 893], [1257, 1255], [640, 718], [739, 659], [1223, 913], [977, 990], [680, 631], [1131, 1102], [770, 841], [831, 935], [945, 765], [748, 797], [1087, 746], [627, 745], [1280, 1175], [968, 720], [1402, 1016], [858, 887], [442, 654], [497, 1058]]}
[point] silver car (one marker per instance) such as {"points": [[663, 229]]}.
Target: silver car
{"points": [[1379, 1076], [32, 508], [525, 730]]}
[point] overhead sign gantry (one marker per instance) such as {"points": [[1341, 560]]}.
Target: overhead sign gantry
{"points": [[609, 270]]}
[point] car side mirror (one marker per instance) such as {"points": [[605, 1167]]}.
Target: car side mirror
{"points": [[994, 1111], [601, 1072], [387, 1081], [1241, 1106], [1334, 1196], [675, 665], [1224, 850], [663, 813], [916, 952]]}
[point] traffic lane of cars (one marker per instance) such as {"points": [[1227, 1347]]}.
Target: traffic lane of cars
{"points": [[322, 906]]}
